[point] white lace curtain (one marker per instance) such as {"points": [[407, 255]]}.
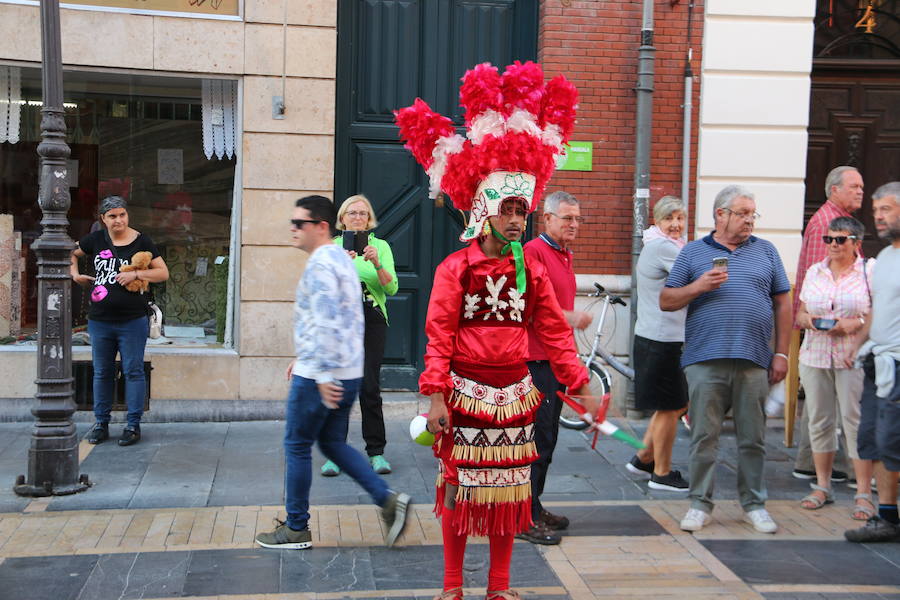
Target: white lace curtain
{"points": [[219, 107], [10, 103]]}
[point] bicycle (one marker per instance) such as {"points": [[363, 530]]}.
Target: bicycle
{"points": [[600, 377]]}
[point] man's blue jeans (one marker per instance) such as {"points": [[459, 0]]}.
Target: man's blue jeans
{"points": [[128, 338], [309, 421]]}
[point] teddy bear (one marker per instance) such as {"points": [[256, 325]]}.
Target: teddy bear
{"points": [[140, 261]]}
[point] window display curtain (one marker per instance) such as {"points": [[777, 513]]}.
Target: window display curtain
{"points": [[10, 103], [219, 107]]}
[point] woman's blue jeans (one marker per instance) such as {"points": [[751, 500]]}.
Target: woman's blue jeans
{"points": [[128, 338], [309, 421]]}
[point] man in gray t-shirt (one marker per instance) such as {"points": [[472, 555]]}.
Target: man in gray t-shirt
{"points": [[879, 428]]}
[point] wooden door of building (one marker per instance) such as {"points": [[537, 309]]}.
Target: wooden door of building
{"points": [[853, 117], [389, 53], [854, 120]]}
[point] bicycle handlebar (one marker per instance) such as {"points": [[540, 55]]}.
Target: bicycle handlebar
{"points": [[601, 292]]}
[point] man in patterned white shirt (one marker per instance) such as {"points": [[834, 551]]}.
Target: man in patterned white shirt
{"points": [[325, 378]]}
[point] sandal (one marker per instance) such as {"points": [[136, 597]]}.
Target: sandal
{"points": [[502, 595], [451, 594], [816, 502], [861, 512]]}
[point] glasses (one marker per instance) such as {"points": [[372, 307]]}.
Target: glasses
{"points": [[299, 223], [746, 216], [569, 219], [357, 213], [839, 239]]}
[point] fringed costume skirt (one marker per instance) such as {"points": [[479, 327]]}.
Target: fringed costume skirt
{"points": [[489, 452]]}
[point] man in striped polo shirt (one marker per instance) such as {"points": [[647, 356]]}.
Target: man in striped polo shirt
{"points": [[732, 310]]}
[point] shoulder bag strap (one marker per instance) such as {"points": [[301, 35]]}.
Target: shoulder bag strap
{"points": [[866, 279]]}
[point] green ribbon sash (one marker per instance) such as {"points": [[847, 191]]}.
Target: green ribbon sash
{"points": [[518, 256]]}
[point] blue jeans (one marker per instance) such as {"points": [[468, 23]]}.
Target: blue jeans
{"points": [[129, 339], [309, 421]]}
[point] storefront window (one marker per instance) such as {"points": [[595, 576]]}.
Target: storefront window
{"points": [[141, 138]]}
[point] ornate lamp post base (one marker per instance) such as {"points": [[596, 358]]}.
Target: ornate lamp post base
{"points": [[53, 456], [48, 489]]}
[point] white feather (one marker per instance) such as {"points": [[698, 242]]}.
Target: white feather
{"points": [[523, 121], [552, 136], [490, 122], [443, 148]]}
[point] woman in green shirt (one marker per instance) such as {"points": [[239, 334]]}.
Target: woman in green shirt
{"points": [[379, 280]]}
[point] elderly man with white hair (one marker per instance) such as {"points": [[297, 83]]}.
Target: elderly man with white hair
{"points": [[736, 292]]}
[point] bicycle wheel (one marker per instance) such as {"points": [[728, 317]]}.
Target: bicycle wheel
{"points": [[599, 384]]}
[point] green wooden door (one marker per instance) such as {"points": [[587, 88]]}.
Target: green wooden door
{"points": [[389, 53]]}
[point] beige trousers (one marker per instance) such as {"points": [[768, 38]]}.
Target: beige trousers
{"points": [[827, 392]]}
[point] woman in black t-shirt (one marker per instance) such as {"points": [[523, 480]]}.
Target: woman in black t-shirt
{"points": [[117, 320]]}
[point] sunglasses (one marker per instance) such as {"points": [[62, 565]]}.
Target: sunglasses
{"points": [[299, 223], [840, 239]]}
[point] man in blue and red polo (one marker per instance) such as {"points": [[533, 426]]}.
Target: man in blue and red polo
{"points": [[727, 359]]}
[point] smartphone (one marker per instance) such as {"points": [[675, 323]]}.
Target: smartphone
{"points": [[720, 263], [356, 241], [824, 324]]}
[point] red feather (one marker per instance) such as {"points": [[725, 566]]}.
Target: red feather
{"points": [[560, 102], [523, 87], [420, 128], [480, 91], [512, 152], [520, 86]]}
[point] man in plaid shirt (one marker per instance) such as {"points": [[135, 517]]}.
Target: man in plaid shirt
{"points": [[843, 195]]}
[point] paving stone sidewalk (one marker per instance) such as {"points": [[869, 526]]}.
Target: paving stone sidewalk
{"points": [[176, 514]]}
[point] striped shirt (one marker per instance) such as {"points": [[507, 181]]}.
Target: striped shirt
{"points": [[736, 320], [813, 249], [827, 298]]}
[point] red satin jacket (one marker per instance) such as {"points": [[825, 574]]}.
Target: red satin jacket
{"points": [[477, 317]]}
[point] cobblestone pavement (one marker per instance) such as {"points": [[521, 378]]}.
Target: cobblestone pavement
{"points": [[175, 516]]}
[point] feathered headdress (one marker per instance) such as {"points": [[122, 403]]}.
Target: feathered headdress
{"points": [[516, 126]]}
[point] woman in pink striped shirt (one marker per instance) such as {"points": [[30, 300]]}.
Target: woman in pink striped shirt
{"points": [[834, 304]]}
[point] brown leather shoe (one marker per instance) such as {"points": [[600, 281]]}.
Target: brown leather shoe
{"points": [[540, 534], [554, 522]]}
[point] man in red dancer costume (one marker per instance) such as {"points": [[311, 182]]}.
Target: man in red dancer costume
{"points": [[482, 397]]}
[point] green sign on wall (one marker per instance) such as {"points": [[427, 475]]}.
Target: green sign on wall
{"points": [[578, 156]]}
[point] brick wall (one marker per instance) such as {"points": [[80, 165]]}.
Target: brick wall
{"points": [[595, 44]]}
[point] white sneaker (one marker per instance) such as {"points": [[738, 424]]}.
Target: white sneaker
{"points": [[694, 520], [762, 521]]}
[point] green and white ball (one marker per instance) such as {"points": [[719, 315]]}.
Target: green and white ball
{"points": [[418, 431]]}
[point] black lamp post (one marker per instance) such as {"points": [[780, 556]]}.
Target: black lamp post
{"points": [[53, 456]]}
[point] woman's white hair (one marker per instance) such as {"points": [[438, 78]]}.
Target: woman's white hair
{"points": [[665, 206]]}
